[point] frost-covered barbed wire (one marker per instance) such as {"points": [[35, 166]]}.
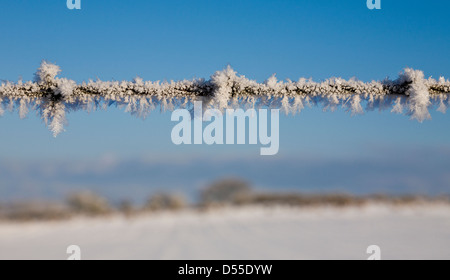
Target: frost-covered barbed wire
{"points": [[52, 97]]}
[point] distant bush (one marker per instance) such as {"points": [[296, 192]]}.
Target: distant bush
{"points": [[224, 192], [28, 211], [127, 208], [295, 199], [227, 191], [165, 201], [88, 203], [408, 199]]}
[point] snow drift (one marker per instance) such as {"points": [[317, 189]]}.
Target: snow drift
{"points": [[416, 232], [52, 97]]}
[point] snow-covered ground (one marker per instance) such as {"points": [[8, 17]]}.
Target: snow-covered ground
{"points": [[419, 232]]}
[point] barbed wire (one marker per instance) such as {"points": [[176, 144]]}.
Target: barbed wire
{"points": [[53, 97]]}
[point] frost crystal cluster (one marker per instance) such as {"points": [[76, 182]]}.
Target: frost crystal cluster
{"points": [[52, 97]]}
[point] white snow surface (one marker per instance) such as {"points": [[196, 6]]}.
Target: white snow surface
{"points": [[402, 232]]}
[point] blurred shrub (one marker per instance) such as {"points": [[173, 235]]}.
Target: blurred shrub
{"points": [[163, 201], [28, 211], [126, 207], [295, 199], [89, 203], [227, 191], [224, 192]]}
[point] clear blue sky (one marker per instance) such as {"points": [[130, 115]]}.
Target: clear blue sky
{"points": [[157, 40]]}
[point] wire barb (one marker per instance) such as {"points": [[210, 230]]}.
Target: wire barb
{"points": [[52, 97]]}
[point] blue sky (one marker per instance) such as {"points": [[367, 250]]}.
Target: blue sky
{"points": [[186, 39], [165, 40]]}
